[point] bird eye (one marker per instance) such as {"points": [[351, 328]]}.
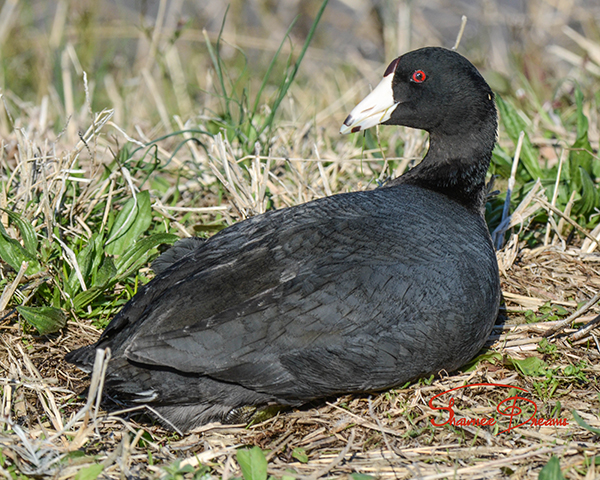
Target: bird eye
{"points": [[418, 76]]}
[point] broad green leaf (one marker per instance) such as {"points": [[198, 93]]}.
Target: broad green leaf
{"points": [[56, 297], [582, 423], [139, 252], [133, 220], [99, 256], [73, 285], [89, 473], [106, 273], [84, 263], [83, 299], [46, 320], [551, 470], [589, 194], [581, 155], [253, 463], [501, 161], [85, 258], [530, 366], [513, 125], [300, 455], [362, 476], [13, 253], [30, 240]]}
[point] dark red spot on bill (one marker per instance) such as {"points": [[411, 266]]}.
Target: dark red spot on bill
{"points": [[391, 67], [355, 129]]}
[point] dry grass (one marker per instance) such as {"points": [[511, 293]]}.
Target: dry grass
{"points": [[387, 435], [55, 140]]}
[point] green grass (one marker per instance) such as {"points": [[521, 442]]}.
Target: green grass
{"points": [[93, 273]]}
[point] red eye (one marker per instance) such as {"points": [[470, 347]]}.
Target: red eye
{"points": [[418, 76]]}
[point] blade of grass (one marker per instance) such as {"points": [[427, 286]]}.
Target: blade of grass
{"points": [[216, 61], [290, 78], [270, 68]]}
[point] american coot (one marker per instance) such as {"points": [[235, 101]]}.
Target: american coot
{"points": [[356, 292]]}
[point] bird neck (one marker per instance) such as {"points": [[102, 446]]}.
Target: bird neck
{"points": [[456, 167]]}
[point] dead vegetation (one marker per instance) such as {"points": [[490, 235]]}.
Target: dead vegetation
{"points": [[387, 435], [60, 172]]}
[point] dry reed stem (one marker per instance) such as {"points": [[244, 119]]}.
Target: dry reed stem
{"points": [[9, 290], [585, 308]]}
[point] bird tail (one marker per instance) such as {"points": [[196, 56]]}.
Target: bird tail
{"points": [[83, 357]]}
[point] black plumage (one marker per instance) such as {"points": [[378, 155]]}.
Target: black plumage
{"points": [[355, 292]]}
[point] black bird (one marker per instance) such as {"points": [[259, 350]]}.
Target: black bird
{"points": [[356, 292]]}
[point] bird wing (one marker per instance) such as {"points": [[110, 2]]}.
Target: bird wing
{"points": [[337, 295], [280, 299], [274, 340]]}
